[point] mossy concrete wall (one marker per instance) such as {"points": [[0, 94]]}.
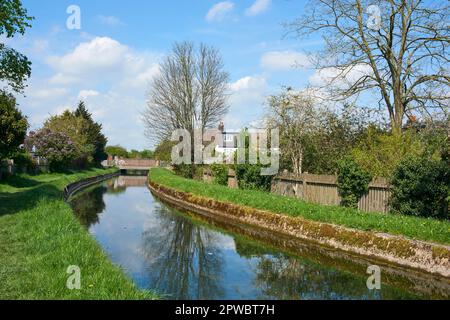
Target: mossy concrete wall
{"points": [[428, 257], [73, 188]]}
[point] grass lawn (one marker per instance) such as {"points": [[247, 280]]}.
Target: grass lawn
{"points": [[411, 227], [40, 238]]}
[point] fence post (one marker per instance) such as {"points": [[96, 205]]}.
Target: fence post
{"points": [[305, 187]]}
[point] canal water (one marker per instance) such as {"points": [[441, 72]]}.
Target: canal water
{"points": [[181, 256]]}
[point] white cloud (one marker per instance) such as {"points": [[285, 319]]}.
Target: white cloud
{"points": [[48, 93], [99, 54], [248, 83], [40, 46], [258, 7], [284, 60], [219, 11], [63, 79], [111, 77], [110, 21], [84, 94], [338, 78], [142, 79], [248, 95], [103, 60]]}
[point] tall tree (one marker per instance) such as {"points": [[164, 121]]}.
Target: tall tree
{"points": [[13, 126], [15, 68], [117, 151], [82, 111], [93, 131], [398, 47], [85, 134], [189, 93]]}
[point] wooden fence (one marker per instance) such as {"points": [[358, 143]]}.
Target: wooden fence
{"points": [[320, 189], [232, 180], [8, 167]]}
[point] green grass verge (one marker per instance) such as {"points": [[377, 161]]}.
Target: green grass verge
{"points": [[411, 227], [40, 238]]}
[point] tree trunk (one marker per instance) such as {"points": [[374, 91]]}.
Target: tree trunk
{"points": [[397, 121], [297, 164]]}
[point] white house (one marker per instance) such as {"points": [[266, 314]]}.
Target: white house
{"points": [[229, 143]]}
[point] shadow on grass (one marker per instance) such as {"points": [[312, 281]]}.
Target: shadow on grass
{"points": [[12, 203], [18, 181]]}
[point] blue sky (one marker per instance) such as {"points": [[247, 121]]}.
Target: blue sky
{"points": [[111, 59]]}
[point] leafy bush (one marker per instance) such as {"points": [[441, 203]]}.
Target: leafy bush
{"points": [[188, 171], [56, 147], [198, 172], [249, 177], [379, 153], [183, 170], [220, 173], [24, 162], [163, 151], [117, 150], [353, 182], [421, 187]]}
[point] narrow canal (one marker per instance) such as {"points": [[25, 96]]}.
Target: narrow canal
{"points": [[182, 256]]}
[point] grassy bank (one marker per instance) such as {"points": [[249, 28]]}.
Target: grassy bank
{"points": [[40, 238], [411, 227]]}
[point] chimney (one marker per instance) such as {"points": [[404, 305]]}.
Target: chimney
{"points": [[222, 127]]}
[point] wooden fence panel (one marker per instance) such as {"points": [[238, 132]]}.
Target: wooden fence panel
{"points": [[320, 189]]}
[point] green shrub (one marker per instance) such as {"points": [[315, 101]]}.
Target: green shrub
{"points": [[249, 177], [379, 153], [353, 182], [184, 170], [197, 172], [56, 147], [189, 171], [220, 174], [421, 187], [24, 162]]}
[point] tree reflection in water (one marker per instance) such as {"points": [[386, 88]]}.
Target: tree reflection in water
{"points": [[187, 256], [283, 277], [88, 205], [114, 187], [288, 278], [174, 253]]}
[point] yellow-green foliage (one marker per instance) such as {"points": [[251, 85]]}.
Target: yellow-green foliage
{"points": [[380, 153]]}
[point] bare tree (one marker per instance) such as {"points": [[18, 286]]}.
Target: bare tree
{"points": [[189, 93], [397, 47], [296, 115]]}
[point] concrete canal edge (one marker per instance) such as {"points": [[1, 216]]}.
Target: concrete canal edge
{"points": [[73, 188], [424, 256]]}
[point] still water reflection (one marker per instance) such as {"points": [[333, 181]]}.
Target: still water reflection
{"points": [[165, 250]]}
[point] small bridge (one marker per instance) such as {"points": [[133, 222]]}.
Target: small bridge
{"points": [[137, 164], [134, 165]]}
